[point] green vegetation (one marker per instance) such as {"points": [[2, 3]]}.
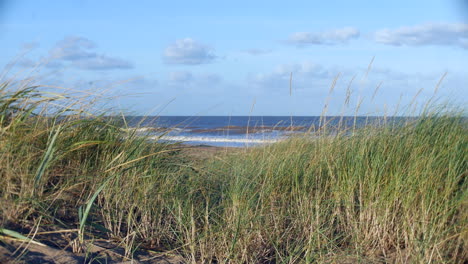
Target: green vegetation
{"points": [[386, 194]]}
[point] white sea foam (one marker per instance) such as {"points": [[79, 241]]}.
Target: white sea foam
{"points": [[153, 129], [218, 139], [139, 129], [144, 129]]}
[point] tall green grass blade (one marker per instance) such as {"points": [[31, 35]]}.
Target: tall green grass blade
{"points": [[84, 214], [46, 158]]}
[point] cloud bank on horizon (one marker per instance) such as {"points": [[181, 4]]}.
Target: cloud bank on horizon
{"points": [[211, 60], [188, 51]]}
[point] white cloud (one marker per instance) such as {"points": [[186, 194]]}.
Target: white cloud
{"points": [[440, 34], [73, 48], [80, 53], [189, 52], [102, 62], [331, 37]]}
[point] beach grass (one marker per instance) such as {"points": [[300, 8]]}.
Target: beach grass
{"points": [[393, 193]]}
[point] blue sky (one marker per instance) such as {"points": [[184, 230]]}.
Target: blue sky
{"points": [[236, 58]]}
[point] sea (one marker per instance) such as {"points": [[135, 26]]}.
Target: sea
{"points": [[243, 131]]}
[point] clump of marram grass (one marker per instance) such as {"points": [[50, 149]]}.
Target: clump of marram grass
{"points": [[391, 193], [378, 194], [76, 171], [384, 194]]}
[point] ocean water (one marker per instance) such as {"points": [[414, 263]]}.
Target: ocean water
{"points": [[240, 131]]}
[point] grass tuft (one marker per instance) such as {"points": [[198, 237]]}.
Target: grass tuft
{"points": [[388, 193]]}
